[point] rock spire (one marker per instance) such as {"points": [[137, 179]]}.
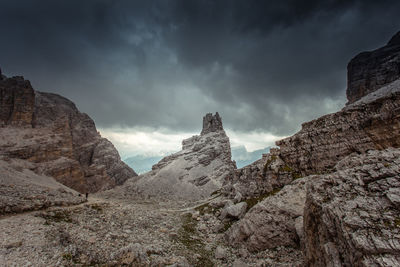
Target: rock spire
{"points": [[211, 123]]}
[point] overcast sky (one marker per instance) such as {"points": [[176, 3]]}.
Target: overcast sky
{"points": [[156, 67]]}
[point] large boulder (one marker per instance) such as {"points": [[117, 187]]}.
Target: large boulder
{"points": [[275, 221], [352, 216]]}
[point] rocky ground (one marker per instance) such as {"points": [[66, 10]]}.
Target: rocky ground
{"points": [[113, 232]]}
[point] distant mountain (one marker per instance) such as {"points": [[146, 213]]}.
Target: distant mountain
{"points": [[142, 163], [244, 158]]}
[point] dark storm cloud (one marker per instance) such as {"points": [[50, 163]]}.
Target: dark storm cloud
{"points": [[265, 65]]}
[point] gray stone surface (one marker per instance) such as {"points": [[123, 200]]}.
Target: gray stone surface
{"points": [[352, 216], [274, 221]]}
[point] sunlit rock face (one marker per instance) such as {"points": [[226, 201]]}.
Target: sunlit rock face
{"points": [[48, 130], [193, 173], [369, 71]]}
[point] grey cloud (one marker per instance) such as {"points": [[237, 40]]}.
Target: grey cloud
{"points": [[264, 65]]}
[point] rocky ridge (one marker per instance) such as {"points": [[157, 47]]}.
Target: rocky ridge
{"points": [[193, 173], [368, 71], [49, 131], [359, 127]]}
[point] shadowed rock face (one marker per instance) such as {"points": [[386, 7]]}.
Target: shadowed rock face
{"points": [[17, 101], [369, 71], [49, 130]]}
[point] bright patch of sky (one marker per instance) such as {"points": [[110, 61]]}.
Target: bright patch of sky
{"points": [[161, 142]]}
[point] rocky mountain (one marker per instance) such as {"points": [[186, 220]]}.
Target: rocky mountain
{"points": [[328, 196], [193, 173], [49, 131], [369, 71], [331, 189]]}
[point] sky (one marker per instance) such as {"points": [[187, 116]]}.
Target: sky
{"points": [[148, 71]]}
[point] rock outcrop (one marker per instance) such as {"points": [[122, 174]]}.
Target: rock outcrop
{"points": [[369, 71], [193, 173], [261, 177], [352, 216], [276, 221], [49, 131]]}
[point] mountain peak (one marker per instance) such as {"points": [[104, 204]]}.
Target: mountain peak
{"points": [[211, 123]]}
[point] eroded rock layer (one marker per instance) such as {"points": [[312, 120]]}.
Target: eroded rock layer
{"points": [[321, 143], [49, 130]]}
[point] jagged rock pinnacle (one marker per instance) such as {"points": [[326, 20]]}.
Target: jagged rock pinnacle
{"points": [[211, 123]]}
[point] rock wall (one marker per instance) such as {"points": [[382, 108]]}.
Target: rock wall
{"points": [[352, 216], [321, 143], [17, 101], [369, 71], [49, 130]]}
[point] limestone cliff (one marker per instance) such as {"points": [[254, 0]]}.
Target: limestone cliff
{"points": [[362, 126], [49, 130], [369, 71], [193, 173]]}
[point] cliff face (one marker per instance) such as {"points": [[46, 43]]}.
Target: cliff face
{"points": [[369, 71], [193, 173], [48, 129], [321, 143], [350, 214]]}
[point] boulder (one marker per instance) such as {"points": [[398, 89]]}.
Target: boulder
{"points": [[274, 221]]}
